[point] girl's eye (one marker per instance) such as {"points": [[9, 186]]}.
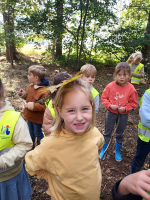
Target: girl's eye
{"points": [[70, 111], [85, 109]]}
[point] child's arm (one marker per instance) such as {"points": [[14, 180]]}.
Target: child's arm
{"points": [[144, 111], [105, 97], [47, 122], [33, 106], [38, 161], [132, 101], [140, 75], [137, 184], [96, 103], [22, 94], [23, 144], [35, 160]]}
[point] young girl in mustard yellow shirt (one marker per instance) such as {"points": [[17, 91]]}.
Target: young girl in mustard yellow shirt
{"points": [[68, 159]]}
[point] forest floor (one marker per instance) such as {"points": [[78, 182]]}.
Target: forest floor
{"points": [[15, 78]]}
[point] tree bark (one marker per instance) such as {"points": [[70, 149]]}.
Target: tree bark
{"points": [[84, 21], [8, 18], [59, 34], [146, 50]]}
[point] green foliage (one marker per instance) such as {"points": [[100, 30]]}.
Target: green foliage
{"points": [[73, 24], [96, 60]]}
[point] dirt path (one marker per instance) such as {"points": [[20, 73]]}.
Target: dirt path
{"points": [[16, 78]]}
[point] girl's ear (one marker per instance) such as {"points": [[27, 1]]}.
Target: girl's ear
{"points": [[59, 111]]}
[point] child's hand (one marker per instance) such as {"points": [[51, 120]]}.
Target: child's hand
{"points": [[20, 92], [114, 107], [137, 183], [26, 105], [121, 109]]}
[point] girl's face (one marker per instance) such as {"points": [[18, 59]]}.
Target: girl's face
{"points": [[122, 77], [76, 111], [136, 61]]}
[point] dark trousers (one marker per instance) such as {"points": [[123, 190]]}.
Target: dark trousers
{"points": [[142, 150], [110, 120], [35, 131]]}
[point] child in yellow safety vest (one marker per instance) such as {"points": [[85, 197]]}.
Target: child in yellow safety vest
{"points": [[143, 142], [137, 69], [49, 113], [15, 141], [89, 73]]}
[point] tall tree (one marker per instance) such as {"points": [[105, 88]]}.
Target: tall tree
{"points": [[59, 32], [70, 20], [7, 9]]}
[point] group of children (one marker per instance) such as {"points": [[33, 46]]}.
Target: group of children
{"points": [[67, 157]]}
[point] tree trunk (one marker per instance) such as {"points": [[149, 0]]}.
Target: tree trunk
{"points": [[8, 18], [146, 50], [59, 34], [84, 21]]}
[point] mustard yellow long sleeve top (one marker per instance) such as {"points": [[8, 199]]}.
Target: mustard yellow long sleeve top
{"points": [[69, 163]]}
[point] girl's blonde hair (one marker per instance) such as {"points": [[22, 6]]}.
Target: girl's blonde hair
{"points": [[135, 56], [58, 78], [77, 84]]}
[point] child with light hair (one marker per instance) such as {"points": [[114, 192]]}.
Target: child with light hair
{"points": [[119, 97], [137, 69], [68, 158], [34, 112], [89, 73], [49, 113]]}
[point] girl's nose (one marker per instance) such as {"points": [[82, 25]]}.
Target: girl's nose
{"points": [[79, 116]]}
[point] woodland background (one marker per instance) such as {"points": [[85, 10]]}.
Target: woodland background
{"points": [[76, 31]]}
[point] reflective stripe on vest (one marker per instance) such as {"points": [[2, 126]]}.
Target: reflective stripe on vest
{"points": [[51, 108], [94, 92], [7, 126], [143, 132], [137, 70]]}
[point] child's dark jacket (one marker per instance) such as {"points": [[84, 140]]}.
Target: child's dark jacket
{"points": [[115, 196]]}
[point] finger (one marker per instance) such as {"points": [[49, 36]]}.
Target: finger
{"points": [[144, 194]]}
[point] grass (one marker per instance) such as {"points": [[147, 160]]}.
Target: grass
{"points": [[31, 50]]}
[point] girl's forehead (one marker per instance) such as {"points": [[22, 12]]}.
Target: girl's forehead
{"points": [[123, 72], [73, 94]]}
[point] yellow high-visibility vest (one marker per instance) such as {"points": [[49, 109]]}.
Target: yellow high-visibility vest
{"points": [[143, 132], [51, 108], [7, 126], [94, 92], [137, 70]]}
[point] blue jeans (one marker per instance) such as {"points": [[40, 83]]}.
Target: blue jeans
{"points": [[110, 120], [35, 131], [142, 150]]}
